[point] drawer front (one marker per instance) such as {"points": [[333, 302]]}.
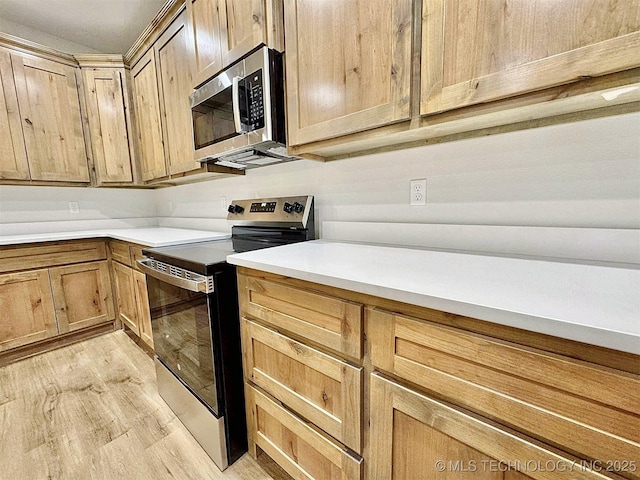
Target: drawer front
{"points": [[120, 252], [321, 388], [328, 321], [414, 436], [580, 407], [297, 447], [44, 256]]}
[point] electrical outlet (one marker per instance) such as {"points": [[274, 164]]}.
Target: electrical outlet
{"points": [[170, 206], [74, 207], [418, 192], [223, 203]]}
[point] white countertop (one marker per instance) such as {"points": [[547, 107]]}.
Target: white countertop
{"points": [[151, 236], [595, 304]]}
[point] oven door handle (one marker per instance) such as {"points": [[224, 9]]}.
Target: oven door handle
{"points": [[199, 284]]}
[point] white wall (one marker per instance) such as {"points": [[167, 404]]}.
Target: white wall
{"points": [[25, 209], [584, 174]]}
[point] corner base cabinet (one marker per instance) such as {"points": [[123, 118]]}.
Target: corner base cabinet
{"points": [[52, 294]]}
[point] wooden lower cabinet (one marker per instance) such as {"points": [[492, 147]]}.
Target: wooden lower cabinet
{"points": [[126, 295], [302, 450], [441, 396], [26, 307], [82, 295], [323, 389], [416, 437], [53, 294], [142, 307]]}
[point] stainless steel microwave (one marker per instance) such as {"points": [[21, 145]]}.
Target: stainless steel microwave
{"points": [[239, 114]]}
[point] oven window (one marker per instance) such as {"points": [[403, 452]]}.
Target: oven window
{"points": [[182, 337]]}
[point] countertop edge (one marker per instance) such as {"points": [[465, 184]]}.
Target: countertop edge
{"points": [[612, 339]]}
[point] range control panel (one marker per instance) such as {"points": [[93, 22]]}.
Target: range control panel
{"points": [[282, 211]]}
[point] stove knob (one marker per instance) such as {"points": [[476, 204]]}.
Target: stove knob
{"points": [[287, 207], [298, 207], [235, 209]]}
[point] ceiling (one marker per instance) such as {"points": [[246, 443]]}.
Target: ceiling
{"points": [[108, 26]]}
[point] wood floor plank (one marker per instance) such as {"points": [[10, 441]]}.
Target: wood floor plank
{"points": [[92, 411]]}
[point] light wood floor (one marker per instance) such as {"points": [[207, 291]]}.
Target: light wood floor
{"points": [[92, 411]]}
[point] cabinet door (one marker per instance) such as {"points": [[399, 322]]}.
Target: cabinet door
{"points": [[175, 67], [26, 307], [82, 295], [126, 295], [348, 66], [477, 51], [51, 120], [106, 103], [416, 437], [13, 156], [142, 307], [147, 107], [223, 31]]}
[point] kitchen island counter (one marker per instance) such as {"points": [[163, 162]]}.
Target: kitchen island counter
{"points": [[594, 303]]}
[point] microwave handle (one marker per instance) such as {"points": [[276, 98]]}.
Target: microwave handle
{"points": [[235, 99]]}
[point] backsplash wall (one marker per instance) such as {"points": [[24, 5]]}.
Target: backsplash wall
{"points": [[25, 209], [584, 175]]}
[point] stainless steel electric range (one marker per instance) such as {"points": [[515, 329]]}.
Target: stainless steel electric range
{"points": [[194, 317]]}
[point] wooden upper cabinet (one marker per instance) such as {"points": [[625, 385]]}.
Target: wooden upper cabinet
{"points": [[51, 119], [348, 66], [224, 30], [108, 110], [27, 308], [147, 106], [475, 51], [175, 82], [13, 156]]}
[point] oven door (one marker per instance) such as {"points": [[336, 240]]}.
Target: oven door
{"points": [[181, 321]]}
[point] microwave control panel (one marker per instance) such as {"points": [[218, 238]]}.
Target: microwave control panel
{"points": [[254, 100]]}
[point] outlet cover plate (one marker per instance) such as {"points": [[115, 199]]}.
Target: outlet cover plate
{"points": [[418, 192]]}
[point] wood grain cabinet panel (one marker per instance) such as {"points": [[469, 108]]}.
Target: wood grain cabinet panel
{"points": [[51, 119], [297, 447], [107, 105], [142, 307], [50, 254], [125, 290], [329, 321], [348, 66], [319, 387], [120, 252], [13, 156], [26, 309], [415, 437], [583, 408], [175, 83], [82, 295], [225, 30], [147, 106], [479, 51]]}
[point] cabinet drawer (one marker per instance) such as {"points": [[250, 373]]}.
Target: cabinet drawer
{"points": [[120, 252], [577, 406], [44, 256], [415, 437], [321, 388], [328, 321], [297, 447]]}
